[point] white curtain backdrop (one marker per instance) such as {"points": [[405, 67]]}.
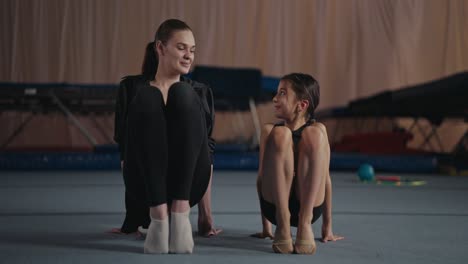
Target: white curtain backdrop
{"points": [[353, 47]]}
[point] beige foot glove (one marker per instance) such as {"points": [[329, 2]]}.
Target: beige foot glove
{"points": [[181, 239], [157, 237]]}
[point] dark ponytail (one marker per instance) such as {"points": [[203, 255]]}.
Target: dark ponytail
{"points": [[150, 62]]}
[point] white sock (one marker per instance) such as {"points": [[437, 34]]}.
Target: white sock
{"points": [[157, 237], [181, 239]]}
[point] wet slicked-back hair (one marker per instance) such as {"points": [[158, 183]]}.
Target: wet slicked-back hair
{"points": [[306, 88]]}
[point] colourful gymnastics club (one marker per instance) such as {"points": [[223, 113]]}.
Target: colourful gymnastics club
{"points": [[398, 181]]}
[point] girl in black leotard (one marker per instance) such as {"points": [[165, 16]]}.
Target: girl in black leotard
{"points": [[167, 143], [294, 184]]}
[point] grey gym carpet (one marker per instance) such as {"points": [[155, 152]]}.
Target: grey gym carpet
{"points": [[62, 217]]}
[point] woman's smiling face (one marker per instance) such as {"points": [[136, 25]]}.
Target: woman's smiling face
{"points": [[178, 53]]}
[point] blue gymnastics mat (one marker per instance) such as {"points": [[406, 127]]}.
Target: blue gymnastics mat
{"points": [[60, 161], [106, 158]]}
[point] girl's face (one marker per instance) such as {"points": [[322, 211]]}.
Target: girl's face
{"points": [[177, 55], [287, 105]]}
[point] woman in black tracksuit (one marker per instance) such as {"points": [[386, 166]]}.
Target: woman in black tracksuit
{"points": [[165, 141]]}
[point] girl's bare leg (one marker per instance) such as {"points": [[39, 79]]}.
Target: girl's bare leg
{"points": [[313, 165], [278, 172]]}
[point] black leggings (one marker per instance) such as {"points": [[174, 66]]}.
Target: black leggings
{"points": [[167, 155]]}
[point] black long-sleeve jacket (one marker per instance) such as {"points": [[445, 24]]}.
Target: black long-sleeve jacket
{"points": [[129, 87]]}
